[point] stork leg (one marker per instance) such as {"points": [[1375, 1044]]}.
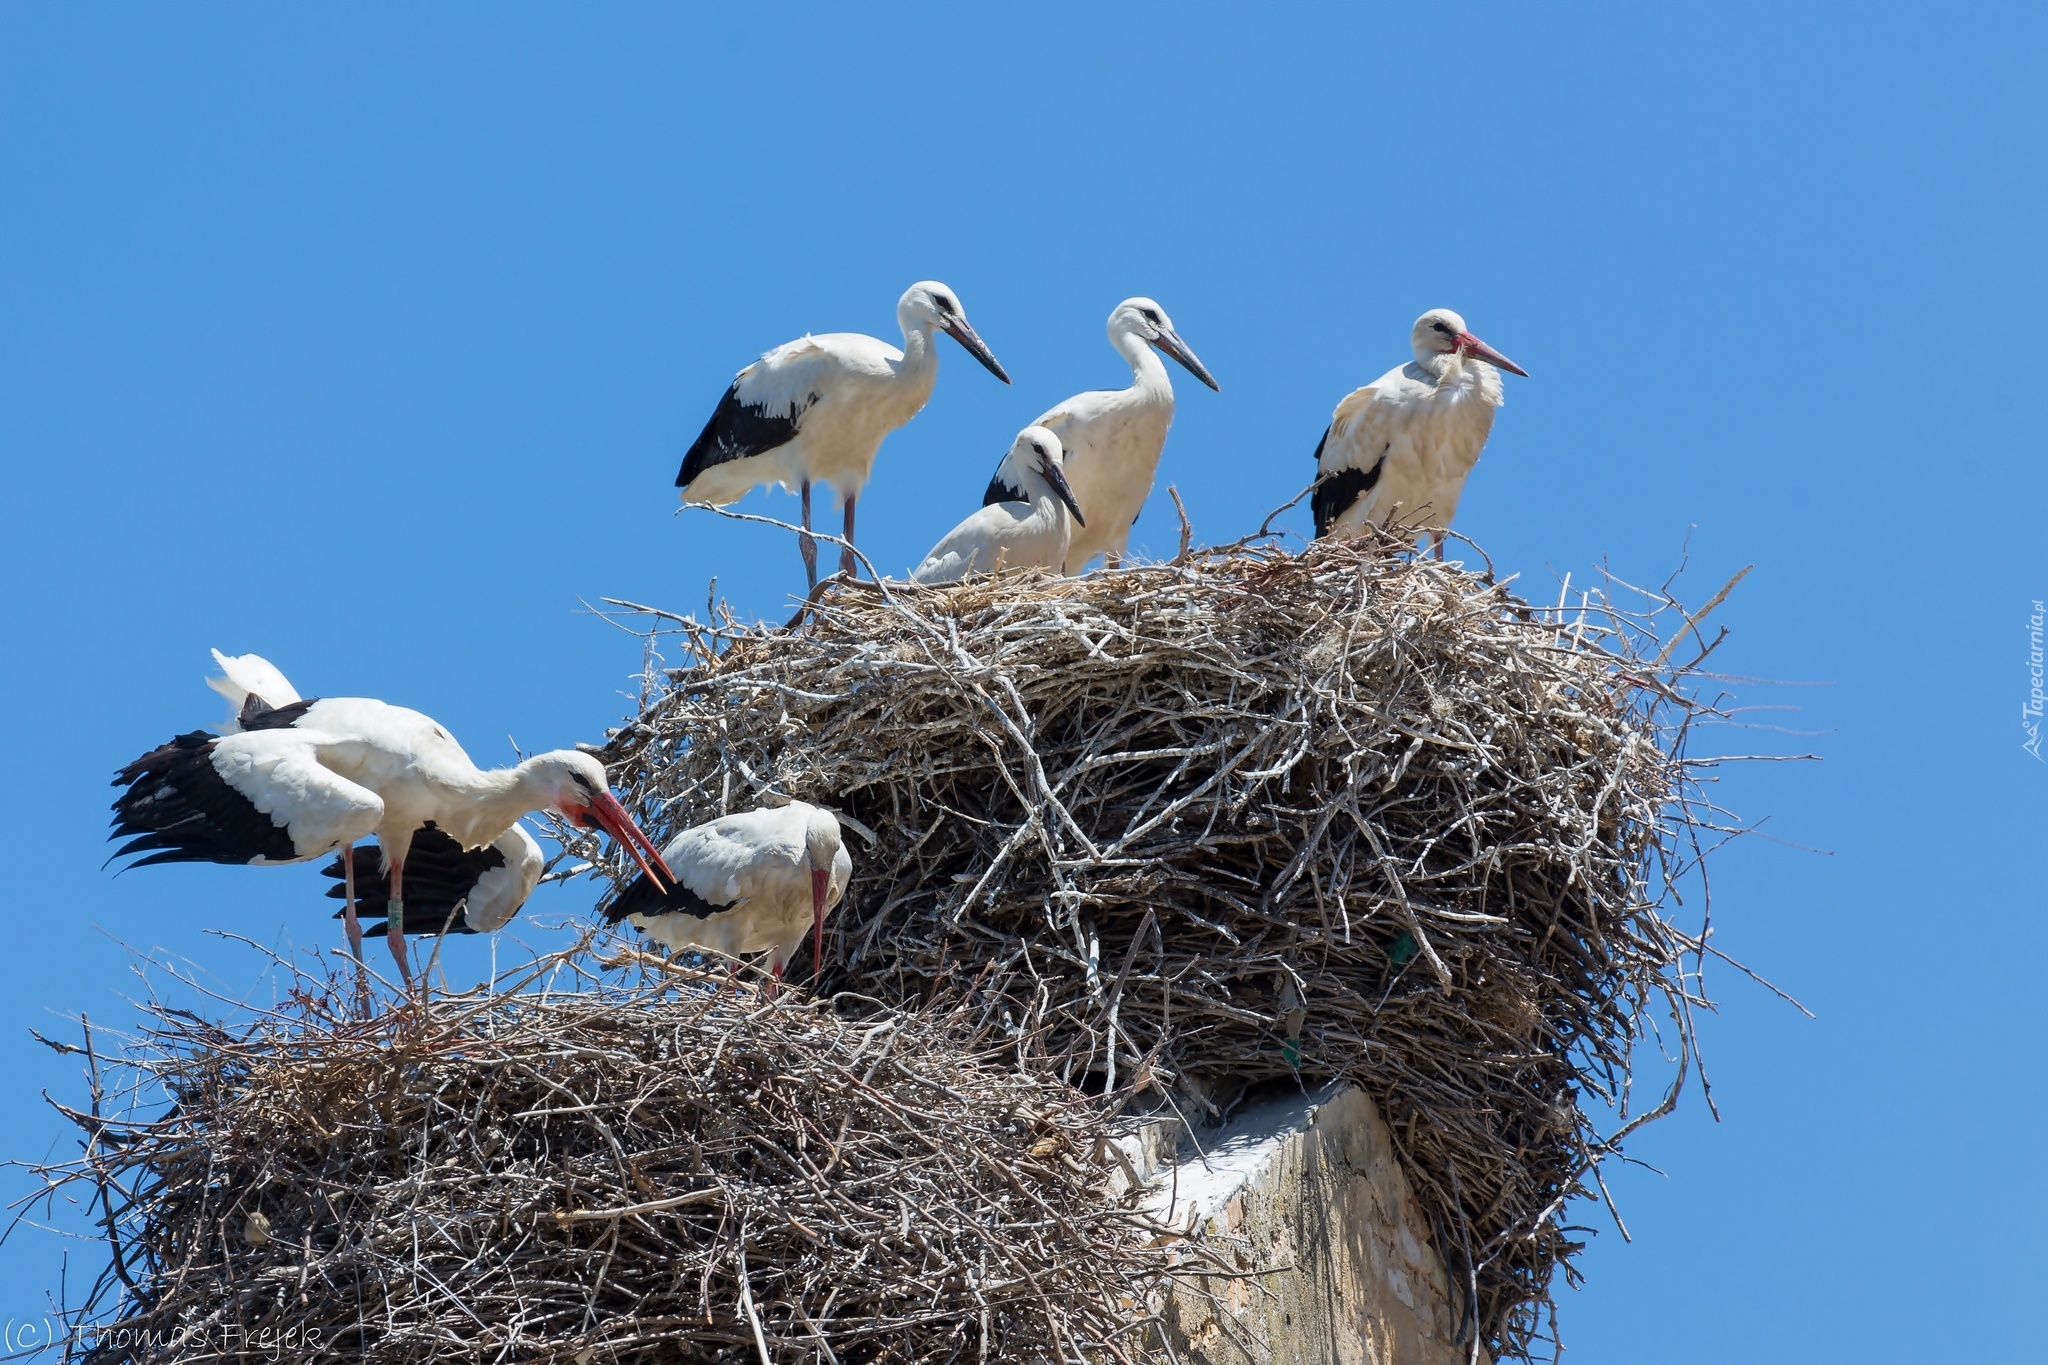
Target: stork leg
{"points": [[775, 977], [354, 926], [847, 563], [394, 924], [1438, 536], [806, 546]]}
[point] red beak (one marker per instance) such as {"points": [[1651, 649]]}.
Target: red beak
{"points": [[1472, 345], [611, 817], [821, 887]]}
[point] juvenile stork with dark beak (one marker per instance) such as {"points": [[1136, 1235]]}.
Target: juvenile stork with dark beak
{"points": [[1113, 437], [746, 883], [1031, 532], [293, 780], [1401, 447], [816, 410]]}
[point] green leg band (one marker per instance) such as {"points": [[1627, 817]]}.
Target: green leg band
{"points": [[394, 920]]}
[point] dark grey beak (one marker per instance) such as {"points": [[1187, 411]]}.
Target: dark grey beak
{"points": [[960, 331], [1057, 477], [1169, 341]]}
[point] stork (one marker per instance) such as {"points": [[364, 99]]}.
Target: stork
{"points": [[1030, 531], [1113, 437], [296, 781], [449, 889], [816, 410], [746, 883], [1402, 446]]}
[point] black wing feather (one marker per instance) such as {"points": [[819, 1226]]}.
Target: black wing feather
{"points": [[178, 803], [1336, 492], [1000, 491], [258, 714], [643, 897], [439, 875], [738, 430]]}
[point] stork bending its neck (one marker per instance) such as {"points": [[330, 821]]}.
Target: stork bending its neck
{"points": [[297, 780]]}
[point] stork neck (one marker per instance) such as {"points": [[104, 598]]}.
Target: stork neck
{"points": [[920, 355], [1148, 371], [1045, 504], [500, 796]]}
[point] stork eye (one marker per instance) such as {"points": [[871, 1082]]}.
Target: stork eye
{"points": [[1150, 316], [1443, 327], [584, 783]]}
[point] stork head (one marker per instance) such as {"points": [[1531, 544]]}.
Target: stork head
{"points": [[573, 785], [1037, 455], [929, 305], [823, 850], [1442, 332], [1146, 320]]}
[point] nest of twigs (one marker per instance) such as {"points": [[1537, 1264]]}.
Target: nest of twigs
{"points": [[1250, 816], [672, 1172]]}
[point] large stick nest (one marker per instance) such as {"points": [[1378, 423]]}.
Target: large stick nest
{"points": [[1247, 817], [673, 1172]]}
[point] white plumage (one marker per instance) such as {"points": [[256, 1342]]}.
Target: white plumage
{"points": [[817, 409], [310, 777], [500, 891], [1400, 448], [1113, 437], [280, 773], [246, 675], [746, 883], [1029, 533]]}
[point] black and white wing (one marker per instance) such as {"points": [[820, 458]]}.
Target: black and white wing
{"points": [[759, 414], [448, 889], [643, 897], [1352, 455], [260, 796]]}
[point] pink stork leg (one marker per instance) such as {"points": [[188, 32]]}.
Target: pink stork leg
{"points": [[805, 545], [353, 925], [348, 902], [394, 923]]}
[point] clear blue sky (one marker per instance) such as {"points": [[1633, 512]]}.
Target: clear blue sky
{"points": [[370, 337]]}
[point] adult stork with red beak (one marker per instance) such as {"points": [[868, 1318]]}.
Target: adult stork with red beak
{"points": [[746, 883], [816, 410], [294, 780], [1401, 447]]}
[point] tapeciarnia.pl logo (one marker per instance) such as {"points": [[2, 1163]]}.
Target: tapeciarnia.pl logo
{"points": [[2030, 714]]}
